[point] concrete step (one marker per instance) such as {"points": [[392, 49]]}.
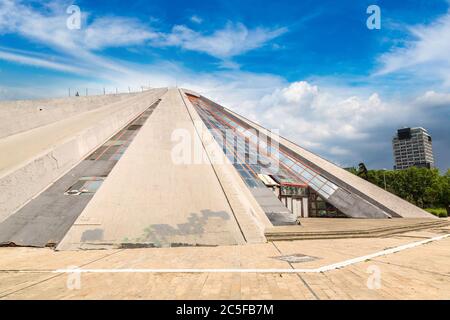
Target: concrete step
{"points": [[280, 234]]}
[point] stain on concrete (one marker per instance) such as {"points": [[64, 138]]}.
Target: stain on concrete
{"points": [[161, 234], [92, 235]]}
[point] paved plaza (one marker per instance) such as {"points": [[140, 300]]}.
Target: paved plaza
{"points": [[416, 273]]}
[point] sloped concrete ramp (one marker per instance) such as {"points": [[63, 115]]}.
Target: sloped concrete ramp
{"points": [[45, 219], [150, 201], [31, 160]]}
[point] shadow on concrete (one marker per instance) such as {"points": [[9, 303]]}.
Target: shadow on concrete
{"points": [[161, 235]]}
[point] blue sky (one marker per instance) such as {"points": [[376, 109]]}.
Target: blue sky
{"points": [[309, 68]]}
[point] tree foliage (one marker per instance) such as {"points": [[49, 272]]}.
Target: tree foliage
{"points": [[426, 188]]}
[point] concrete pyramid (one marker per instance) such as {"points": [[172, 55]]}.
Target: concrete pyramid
{"points": [[167, 167]]}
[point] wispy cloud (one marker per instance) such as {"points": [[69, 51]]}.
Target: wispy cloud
{"points": [[196, 19], [426, 53], [233, 40], [48, 27], [38, 62], [108, 32]]}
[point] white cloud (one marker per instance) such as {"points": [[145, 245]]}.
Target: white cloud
{"points": [[228, 64], [426, 53], [346, 129], [234, 39], [196, 19], [48, 27], [315, 118], [116, 32], [434, 99], [38, 62], [103, 32], [317, 115]]}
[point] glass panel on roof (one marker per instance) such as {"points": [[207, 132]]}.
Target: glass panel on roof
{"points": [[327, 189], [288, 162], [306, 175], [316, 182], [321, 178], [323, 194]]}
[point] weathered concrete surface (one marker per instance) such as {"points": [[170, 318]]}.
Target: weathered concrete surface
{"points": [[22, 115], [385, 200], [148, 200], [33, 159], [46, 219]]}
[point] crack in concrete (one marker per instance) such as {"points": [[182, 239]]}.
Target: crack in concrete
{"points": [[56, 160]]}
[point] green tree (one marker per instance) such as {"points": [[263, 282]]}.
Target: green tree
{"points": [[423, 187], [445, 194], [362, 171], [419, 183]]}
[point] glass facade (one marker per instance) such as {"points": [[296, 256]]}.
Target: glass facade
{"points": [[252, 154], [319, 208]]}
